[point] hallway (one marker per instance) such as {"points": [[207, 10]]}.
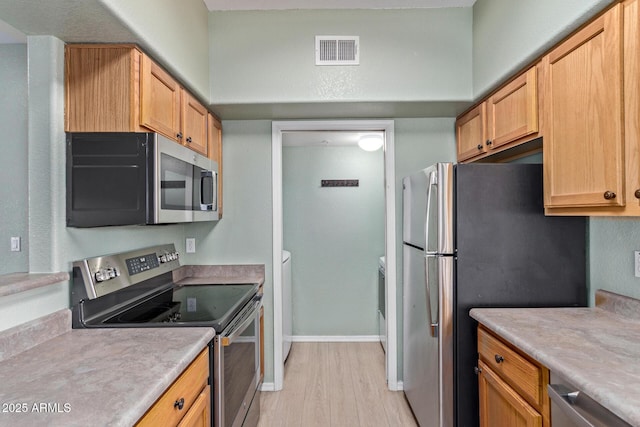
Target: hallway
{"points": [[335, 384]]}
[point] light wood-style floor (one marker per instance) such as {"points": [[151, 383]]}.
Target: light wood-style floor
{"points": [[335, 384]]}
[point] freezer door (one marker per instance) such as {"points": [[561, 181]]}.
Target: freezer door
{"points": [[428, 209], [428, 357]]}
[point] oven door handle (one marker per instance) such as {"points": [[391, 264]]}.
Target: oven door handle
{"points": [[249, 318]]}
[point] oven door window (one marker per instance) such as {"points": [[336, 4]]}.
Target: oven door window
{"points": [[185, 187]]}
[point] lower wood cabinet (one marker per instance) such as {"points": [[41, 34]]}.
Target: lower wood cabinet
{"points": [[512, 387], [502, 406], [187, 402], [199, 414]]}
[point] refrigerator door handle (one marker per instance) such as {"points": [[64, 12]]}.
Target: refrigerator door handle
{"points": [[431, 184], [433, 325]]}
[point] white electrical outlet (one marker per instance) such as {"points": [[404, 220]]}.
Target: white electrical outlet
{"points": [[636, 258], [15, 244], [191, 245]]}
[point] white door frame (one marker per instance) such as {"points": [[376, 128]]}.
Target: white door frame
{"points": [[387, 126]]}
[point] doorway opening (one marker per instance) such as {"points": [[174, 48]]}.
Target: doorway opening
{"points": [[385, 128]]}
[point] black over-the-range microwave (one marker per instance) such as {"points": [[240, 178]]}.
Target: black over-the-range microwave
{"points": [[137, 178]]}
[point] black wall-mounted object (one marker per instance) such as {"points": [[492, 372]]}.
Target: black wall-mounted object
{"points": [[340, 183]]}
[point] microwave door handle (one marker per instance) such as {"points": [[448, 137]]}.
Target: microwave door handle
{"points": [[203, 176], [215, 191]]}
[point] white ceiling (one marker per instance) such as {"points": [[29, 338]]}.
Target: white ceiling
{"points": [[332, 4]]}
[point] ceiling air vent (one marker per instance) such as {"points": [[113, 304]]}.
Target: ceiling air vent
{"points": [[337, 50]]}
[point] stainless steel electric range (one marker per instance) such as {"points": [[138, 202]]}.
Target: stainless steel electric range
{"points": [[135, 289]]}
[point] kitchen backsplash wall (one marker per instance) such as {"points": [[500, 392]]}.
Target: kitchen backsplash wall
{"points": [[612, 242], [335, 236], [244, 234], [14, 209]]}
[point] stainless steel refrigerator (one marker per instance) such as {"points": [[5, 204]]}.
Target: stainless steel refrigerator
{"points": [[475, 235]]}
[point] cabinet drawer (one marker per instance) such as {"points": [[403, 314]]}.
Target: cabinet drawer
{"points": [[188, 386], [523, 375]]}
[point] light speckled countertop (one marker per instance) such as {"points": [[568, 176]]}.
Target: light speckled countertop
{"points": [[20, 282], [90, 377], [596, 349], [96, 377], [219, 274]]}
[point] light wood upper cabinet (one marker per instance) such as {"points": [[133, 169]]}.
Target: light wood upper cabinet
{"points": [[512, 111], [194, 124], [471, 133], [102, 88], [506, 118], [612, 160], [159, 100], [214, 138], [117, 88], [583, 129]]}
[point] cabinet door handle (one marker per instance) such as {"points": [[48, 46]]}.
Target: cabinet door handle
{"points": [[637, 194], [179, 404], [489, 142], [179, 135], [189, 139], [608, 195], [479, 146], [499, 359]]}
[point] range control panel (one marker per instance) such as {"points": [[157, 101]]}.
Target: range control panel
{"points": [[139, 264], [105, 274]]}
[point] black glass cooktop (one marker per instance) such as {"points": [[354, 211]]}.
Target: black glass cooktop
{"points": [[189, 305]]}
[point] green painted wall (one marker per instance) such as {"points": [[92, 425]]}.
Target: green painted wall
{"points": [[335, 236], [405, 55], [612, 242], [244, 235], [50, 245], [174, 32], [13, 162], [508, 34]]}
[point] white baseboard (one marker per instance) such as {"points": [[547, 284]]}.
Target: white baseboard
{"points": [[267, 387], [399, 386], [335, 338]]}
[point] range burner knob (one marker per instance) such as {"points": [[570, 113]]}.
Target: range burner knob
{"points": [[106, 274], [101, 275], [162, 258]]}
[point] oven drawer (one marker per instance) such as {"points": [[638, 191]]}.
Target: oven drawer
{"points": [[174, 404], [516, 370]]}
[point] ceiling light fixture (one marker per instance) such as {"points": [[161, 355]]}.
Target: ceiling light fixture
{"points": [[370, 142]]}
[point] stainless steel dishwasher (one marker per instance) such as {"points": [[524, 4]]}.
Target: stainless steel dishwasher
{"points": [[571, 407]]}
